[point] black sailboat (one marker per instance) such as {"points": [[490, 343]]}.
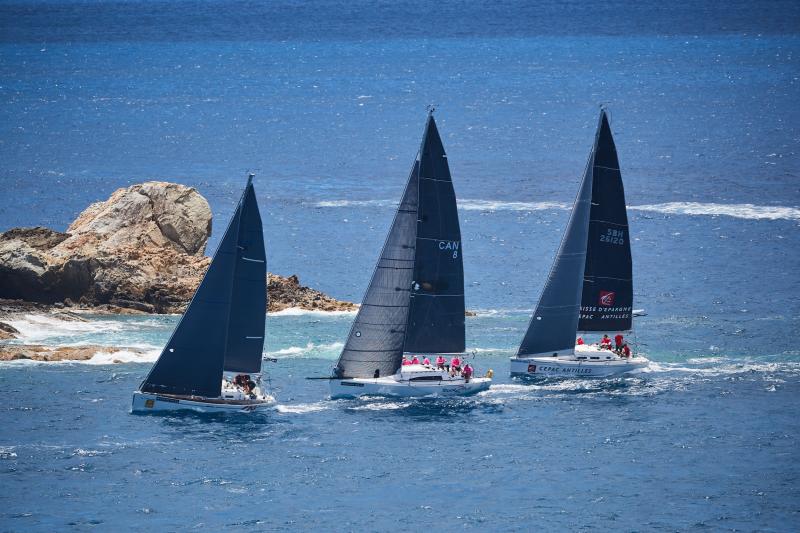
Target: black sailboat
{"points": [[415, 299], [222, 329], [590, 286]]}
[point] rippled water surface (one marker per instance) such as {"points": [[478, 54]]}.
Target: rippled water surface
{"points": [[326, 101]]}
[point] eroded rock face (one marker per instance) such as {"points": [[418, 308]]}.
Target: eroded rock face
{"points": [[142, 249]]}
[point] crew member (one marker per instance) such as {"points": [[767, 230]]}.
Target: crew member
{"points": [[406, 362], [440, 362], [579, 342], [467, 373], [426, 361], [455, 364], [626, 352], [605, 343], [415, 360], [618, 342]]}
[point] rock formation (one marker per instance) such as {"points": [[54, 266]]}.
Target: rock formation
{"points": [[142, 249], [36, 352]]}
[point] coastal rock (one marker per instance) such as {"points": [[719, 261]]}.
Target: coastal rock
{"points": [[142, 250], [287, 292], [36, 352], [7, 331]]}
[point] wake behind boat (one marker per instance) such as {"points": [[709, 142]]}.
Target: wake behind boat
{"points": [[415, 300], [212, 362], [590, 285]]}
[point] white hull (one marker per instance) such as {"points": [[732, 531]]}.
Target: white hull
{"points": [[412, 381], [146, 402], [607, 364]]}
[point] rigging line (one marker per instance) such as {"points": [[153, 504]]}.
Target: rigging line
{"points": [[606, 168], [436, 179]]}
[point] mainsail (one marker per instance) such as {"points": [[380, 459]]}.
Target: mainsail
{"points": [[436, 315], [554, 321], [607, 300], [223, 327], [415, 299]]}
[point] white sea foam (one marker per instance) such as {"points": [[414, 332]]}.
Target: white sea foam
{"points": [[746, 211], [295, 311], [381, 406], [302, 408], [38, 328], [122, 356], [497, 205], [331, 349], [356, 203]]}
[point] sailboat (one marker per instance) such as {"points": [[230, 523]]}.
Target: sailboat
{"points": [[415, 300], [212, 361], [590, 285]]}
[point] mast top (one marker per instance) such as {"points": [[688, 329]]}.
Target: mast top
{"points": [[250, 176]]}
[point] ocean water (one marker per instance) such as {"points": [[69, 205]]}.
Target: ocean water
{"points": [[326, 101]]}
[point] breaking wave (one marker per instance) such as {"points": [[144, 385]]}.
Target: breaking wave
{"points": [[326, 351], [744, 211]]}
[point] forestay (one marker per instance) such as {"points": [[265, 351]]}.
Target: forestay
{"points": [[223, 327], [607, 300]]}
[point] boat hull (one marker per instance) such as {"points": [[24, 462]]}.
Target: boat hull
{"points": [[146, 402], [572, 367], [403, 388]]}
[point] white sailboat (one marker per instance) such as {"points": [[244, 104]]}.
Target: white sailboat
{"points": [[212, 362], [590, 286], [415, 300]]}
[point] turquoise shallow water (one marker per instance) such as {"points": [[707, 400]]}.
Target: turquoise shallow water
{"points": [[326, 101]]}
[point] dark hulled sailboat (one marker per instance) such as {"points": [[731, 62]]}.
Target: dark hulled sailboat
{"points": [[222, 330]]}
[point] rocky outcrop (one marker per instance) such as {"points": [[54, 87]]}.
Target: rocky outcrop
{"points": [[287, 292], [142, 250], [35, 352]]}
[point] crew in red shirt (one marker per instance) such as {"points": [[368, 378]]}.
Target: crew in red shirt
{"points": [[618, 341]]}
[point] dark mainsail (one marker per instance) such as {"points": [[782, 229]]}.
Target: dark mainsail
{"points": [[555, 319], [436, 315], [607, 300], [415, 299], [223, 327]]}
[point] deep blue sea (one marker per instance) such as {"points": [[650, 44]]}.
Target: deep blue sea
{"points": [[326, 102]]}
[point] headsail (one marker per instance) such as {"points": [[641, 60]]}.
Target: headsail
{"points": [[436, 315], [375, 342], [607, 301], [554, 321], [207, 337]]}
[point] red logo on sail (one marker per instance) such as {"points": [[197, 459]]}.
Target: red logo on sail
{"points": [[607, 298]]}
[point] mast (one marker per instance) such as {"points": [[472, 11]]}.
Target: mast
{"points": [[607, 301], [193, 359], [436, 313], [551, 330]]}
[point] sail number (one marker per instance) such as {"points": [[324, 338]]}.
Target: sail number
{"points": [[450, 246], [613, 236]]}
